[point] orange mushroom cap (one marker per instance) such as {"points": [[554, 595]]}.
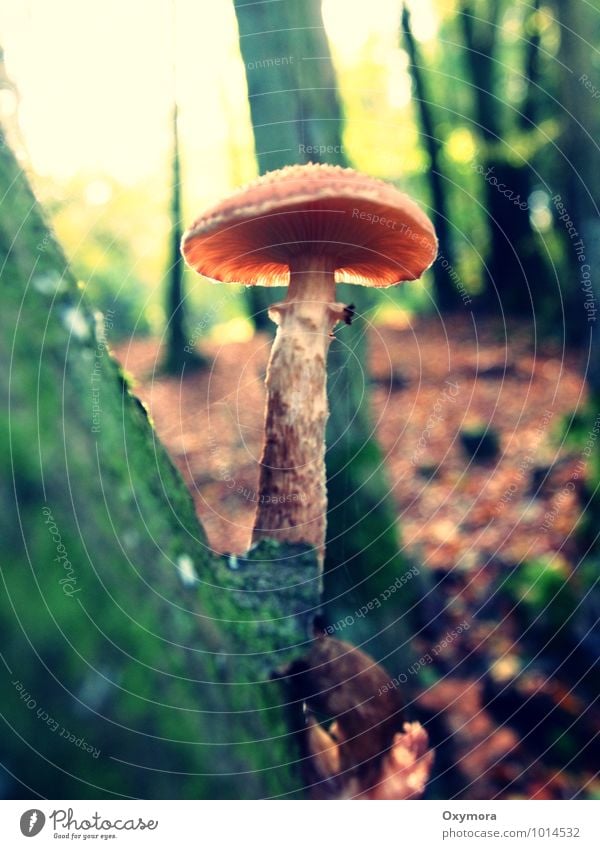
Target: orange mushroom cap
{"points": [[375, 234]]}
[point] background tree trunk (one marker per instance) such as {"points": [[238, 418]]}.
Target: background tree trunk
{"points": [[177, 337], [446, 295], [295, 107], [516, 278], [581, 171], [292, 94], [580, 192], [122, 630], [532, 70]]}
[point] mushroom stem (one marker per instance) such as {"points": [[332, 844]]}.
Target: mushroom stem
{"points": [[292, 504]]}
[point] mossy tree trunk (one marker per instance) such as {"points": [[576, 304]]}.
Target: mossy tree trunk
{"points": [[297, 118], [134, 661], [293, 97], [580, 174], [518, 277], [580, 26]]}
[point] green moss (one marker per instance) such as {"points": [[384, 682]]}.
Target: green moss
{"points": [[364, 557], [169, 681]]}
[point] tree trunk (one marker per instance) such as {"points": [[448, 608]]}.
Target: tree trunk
{"points": [[580, 196], [517, 277], [446, 296], [580, 24], [293, 97], [135, 662], [297, 118], [532, 71], [179, 352]]}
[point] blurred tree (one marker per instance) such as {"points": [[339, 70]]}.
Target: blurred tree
{"points": [[580, 196], [580, 171], [529, 113], [517, 272], [177, 353], [297, 118], [293, 96], [446, 295]]}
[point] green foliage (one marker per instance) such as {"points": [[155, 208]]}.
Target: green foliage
{"points": [[118, 243], [547, 593]]}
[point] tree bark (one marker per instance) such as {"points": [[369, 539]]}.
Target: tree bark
{"points": [[517, 278], [293, 97], [580, 24], [179, 354], [135, 661], [297, 117], [532, 71], [446, 296]]}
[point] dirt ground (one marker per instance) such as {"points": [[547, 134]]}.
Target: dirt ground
{"points": [[467, 519]]}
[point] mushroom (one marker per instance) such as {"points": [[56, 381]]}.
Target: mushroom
{"points": [[306, 227], [355, 741], [339, 683]]}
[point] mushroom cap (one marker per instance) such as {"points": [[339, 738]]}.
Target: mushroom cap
{"points": [[374, 234]]}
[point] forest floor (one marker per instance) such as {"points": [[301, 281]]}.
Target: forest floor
{"points": [[470, 521]]}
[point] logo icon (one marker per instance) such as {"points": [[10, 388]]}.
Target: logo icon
{"points": [[32, 822]]}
